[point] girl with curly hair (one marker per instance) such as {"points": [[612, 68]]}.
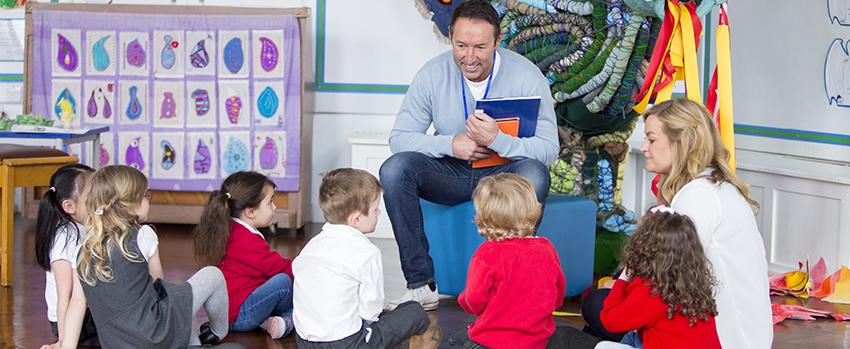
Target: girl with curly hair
{"points": [[665, 291]]}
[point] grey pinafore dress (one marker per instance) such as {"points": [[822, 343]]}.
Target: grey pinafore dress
{"points": [[134, 311]]}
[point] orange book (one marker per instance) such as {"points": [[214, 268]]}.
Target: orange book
{"points": [[509, 126]]}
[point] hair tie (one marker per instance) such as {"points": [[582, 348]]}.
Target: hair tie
{"points": [[228, 195], [662, 208], [98, 212], [53, 189]]}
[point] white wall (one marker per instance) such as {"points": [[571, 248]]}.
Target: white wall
{"points": [[395, 42], [11, 24]]}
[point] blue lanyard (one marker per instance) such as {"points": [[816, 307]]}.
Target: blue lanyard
{"points": [[486, 90]]}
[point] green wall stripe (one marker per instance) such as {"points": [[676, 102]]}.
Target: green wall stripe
{"points": [[11, 77], [792, 134]]}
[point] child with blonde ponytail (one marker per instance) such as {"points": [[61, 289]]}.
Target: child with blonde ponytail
{"points": [[120, 277]]}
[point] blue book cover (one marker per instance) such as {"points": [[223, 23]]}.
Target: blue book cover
{"points": [[524, 108]]}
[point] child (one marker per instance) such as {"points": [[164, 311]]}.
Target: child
{"points": [[339, 291], [120, 275], [58, 234], [259, 281], [665, 290], [515, 280]]}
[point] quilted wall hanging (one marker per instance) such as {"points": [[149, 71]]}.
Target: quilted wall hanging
{"points": [[189, 99]]}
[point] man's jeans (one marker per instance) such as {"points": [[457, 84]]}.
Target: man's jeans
{"points": [[272, 298], [409, 176]]}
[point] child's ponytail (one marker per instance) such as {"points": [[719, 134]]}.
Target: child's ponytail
{"points": [[213, 232]]}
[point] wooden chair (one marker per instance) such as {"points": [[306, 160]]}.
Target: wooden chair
{"points": [[21, 166]]}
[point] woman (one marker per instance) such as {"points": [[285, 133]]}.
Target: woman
{"points": [[683, 145]]}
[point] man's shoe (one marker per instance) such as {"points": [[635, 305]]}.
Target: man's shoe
{"points": [[424, 295], [207, 337]]}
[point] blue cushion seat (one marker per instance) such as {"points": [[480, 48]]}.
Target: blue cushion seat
{"points": [[568, 222]]}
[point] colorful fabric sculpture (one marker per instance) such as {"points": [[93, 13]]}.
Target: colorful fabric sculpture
{"points": [[439, 12]]}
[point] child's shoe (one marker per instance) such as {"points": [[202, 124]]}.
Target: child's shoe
{"points": [[277, 327], [207, 337], [430, 339]]}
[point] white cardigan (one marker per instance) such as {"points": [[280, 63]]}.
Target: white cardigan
{"points": [[731, 240]]}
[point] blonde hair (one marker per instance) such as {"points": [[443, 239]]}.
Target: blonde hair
{"points": [[505, 207], [345, 191], [116, 192], [696, 146]]}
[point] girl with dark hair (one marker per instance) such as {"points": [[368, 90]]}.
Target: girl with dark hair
{"points": [[259, 281], [59, 232]]}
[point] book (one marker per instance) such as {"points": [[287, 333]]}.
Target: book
{"points": [[516, 116], [509, 126]]}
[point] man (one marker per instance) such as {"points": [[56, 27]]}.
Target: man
{"points": [[438, 167]]}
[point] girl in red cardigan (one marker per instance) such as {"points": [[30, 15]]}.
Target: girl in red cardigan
{"points": [[259, 281], [515, 280], [665, 291]]}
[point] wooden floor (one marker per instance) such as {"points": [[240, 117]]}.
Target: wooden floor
{"points": [[23, 321]]}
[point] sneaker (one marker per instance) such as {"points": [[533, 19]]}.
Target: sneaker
{"points": [[429, 299], [277, 327], [430, 339]]}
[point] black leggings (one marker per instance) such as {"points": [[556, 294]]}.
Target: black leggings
{"points": [[591, 308], [88, 332]]}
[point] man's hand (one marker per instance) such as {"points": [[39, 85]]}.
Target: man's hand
{"points": [[466, 149], [482, 129]]}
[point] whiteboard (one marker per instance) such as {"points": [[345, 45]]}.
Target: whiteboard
{"points": [[788, 58]]}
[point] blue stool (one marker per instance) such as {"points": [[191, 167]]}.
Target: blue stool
{"points": [[568, 222]]}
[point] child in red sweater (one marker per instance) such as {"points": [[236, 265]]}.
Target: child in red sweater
{"points": [[515, 280], [259, 281], [665, 291]]}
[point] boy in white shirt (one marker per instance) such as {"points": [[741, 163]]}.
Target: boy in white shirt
{"points": [[339, 280]]}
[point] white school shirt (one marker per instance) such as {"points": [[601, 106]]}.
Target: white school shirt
{"points": [[65, 247], [339, 282], [66, 244], [729, 235]]}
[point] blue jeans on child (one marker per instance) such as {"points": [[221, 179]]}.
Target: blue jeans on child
{"points": [[409, 176], [273, 298], [630, 340]]}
